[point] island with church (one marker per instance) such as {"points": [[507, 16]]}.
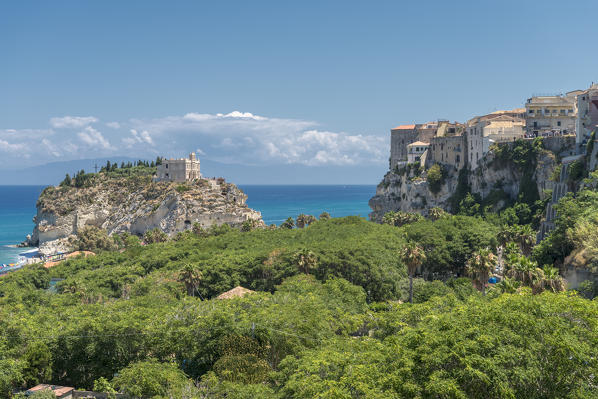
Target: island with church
{"points": [[145, 199]]}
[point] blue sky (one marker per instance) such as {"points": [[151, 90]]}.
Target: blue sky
{"points": [[257, 84]]}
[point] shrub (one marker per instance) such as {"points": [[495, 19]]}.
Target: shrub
{"points": [[436, 176]]}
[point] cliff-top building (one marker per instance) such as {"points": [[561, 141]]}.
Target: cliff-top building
{"points": [[587, 113], [401, 137], [183, 169], [551, 114]]}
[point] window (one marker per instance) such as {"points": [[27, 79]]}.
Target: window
{"points": [[458, 159], [558, 123], [166, 168], [531, 111]]}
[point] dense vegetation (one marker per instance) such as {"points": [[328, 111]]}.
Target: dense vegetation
{"points": [[327, 318], [341, 308]]}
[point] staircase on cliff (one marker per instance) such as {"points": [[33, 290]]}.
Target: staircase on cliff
{"points": [[559, 190]]}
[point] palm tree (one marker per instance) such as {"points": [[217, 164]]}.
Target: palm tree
{"points": [[526, 238], [324, 216], [480, 265], [550, 279], [301, 220], [413, 256], [309, 219], [288, 224], [522, 269], [508, 285], [306, 260], [389, 218], [191, 276], [523, 236], [436, 213]]}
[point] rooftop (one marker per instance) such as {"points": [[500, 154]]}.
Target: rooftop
{"points": [[418, 143], [404, 127], [59, 391], [554, 100], [236, 292]]}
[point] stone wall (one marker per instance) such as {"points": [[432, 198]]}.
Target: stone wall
{"points": [[399, 139]]}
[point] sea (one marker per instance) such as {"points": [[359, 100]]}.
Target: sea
{"points": [[276, 203]]}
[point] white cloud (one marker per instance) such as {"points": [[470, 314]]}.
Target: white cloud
{"points": [[236, 137], [94, 138], [137, 137], [113, 125], [5, 146], [72, 122], [243, 137], [52, 148]]}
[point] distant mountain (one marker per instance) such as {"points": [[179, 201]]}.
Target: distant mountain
{"points": [[53, 173]]}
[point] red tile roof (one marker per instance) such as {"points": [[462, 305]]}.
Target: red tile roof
{"points": [[404, 127], [58, 390]]}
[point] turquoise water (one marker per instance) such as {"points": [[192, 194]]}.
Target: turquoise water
{"points": [[279, 202], [17, 208], [276, 203]]}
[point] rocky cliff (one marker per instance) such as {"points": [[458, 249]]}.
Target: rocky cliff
{"points": [[505, 173], [135, 204]]}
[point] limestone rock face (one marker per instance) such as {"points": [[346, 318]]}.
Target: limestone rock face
{"points": [[407, 190], [135, 205]]}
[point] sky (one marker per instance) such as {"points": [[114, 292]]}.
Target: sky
{"points": [[300, 91]]}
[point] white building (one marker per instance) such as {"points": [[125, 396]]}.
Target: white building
{"points": [[183, 169], [415, 151], [544, 114]]}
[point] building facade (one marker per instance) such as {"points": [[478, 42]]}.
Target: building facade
{"points": [[400, 138], [587, 113], [448, 150], [415, 151], [548, 114], [183, 169]]}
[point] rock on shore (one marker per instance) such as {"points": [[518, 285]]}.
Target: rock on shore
{"points": [[135, 204]]}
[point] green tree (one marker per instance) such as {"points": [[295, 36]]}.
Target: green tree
{"points": [[324, 216], [301, 220], [190, 276], [550, 279], [11, 376], [523, 269], [413, 256], [155, 236], [435, 178], [39, 364], [288, 224], [309, 219], [152, 379], [480, 266], [91, 238], [306, 260], [67, 181], [436, 213]]}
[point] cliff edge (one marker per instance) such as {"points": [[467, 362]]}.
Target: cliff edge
{"points": [[134, 203], [521, 170]]}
